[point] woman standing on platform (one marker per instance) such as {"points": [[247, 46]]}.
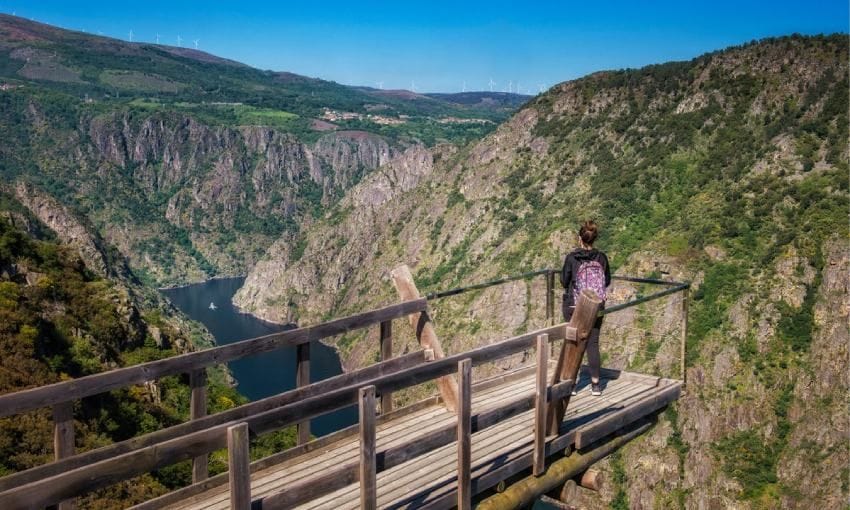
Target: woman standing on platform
{"points": [[586, 268]]}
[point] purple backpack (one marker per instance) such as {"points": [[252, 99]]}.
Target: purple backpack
{"points": [[590, 275]]}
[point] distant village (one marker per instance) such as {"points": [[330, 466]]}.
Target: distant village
{"points": [[336, 116]]}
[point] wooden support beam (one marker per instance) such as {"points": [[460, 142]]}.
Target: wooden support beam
{"points": [[198, 410], [425, 333], [464, 436], [302, 378], [522, 493], [560, 390], [550, 298], [386, 354], [540, 404], [238, 462], [569, 359], [368, 469], [63, 439]]}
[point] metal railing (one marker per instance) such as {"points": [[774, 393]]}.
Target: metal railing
{"points": [[670, 288]]}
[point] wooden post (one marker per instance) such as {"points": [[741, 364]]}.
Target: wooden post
{"points": [[63, 439], [198, 409], [239, 467], [302, 378], [386, 354], [464, 436], [404, 284], [539, 460], [569, 359], [684, 342], [368, 483]]}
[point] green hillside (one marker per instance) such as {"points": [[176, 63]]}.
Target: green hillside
{"points": [[190, 164], [58, 320], [112, 73], [729, 170]]}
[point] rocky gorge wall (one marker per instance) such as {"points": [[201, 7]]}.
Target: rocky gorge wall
{"points": [[728, 171], [183, 200]]}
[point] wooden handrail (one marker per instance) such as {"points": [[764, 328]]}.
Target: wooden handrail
{"points": [[238, 413], [46, 491], [35, 398]]}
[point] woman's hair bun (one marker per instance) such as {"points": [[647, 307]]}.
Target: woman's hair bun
{"points": [[588, 232]]}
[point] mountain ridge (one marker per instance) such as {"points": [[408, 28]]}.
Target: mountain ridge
{"points": [[728, 170]]}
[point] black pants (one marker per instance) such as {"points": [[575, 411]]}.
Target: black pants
{"points": [[593, 359]]}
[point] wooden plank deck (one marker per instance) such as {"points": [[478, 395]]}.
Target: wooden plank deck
{"points": [[430, 480]]}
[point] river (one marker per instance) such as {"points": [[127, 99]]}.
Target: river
{"points": [[265, 374]]}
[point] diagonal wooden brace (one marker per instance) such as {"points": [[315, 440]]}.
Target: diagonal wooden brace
{"points": [[572, 351], [425, 333]]}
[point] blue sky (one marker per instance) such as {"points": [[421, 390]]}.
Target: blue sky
{"points": [[440, 45]]}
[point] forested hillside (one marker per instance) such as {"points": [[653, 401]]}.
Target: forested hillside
{"points": [[190, 165], [60, 320], [729, 171]]}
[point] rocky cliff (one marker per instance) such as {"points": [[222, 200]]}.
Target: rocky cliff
{"points": [[728, 171], [180, 199]]}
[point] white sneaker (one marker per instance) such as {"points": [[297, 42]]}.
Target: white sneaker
{"points": [[595, 389]]}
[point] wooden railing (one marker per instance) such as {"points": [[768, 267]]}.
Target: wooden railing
{"points": [[77, 474], [314, 401], [60, 396]]}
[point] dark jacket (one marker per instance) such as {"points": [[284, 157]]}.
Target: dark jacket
{"points": [[571, 264]]}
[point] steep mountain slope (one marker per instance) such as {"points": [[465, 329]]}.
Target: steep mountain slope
{"points": [[189, 164], [60, 318], [729, 170]]}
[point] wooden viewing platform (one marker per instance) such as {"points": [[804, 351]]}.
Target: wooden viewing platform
{"points": [[430, 481], [437, 453]]}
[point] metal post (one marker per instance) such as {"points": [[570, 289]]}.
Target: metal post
{"points": [[550, 298], [683, 354]]}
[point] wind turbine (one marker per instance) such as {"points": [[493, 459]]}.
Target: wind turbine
{"points": [[380, 84], [517, 88], [179, 40], [412, 85], [492, 83], [542, 86], [131, 35], [157, 38], [464, 86], [196, 41]]}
